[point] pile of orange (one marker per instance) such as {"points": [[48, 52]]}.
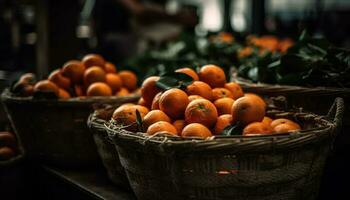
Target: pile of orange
{"points": [[205, 108], [91, 76], [270, 43]]}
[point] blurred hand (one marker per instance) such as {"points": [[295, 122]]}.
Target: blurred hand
{"points": [[8, 146]]}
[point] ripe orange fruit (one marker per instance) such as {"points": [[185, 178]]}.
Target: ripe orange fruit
{"points": [[61, 81], [122, 92], [235, 89], [189, 72], [195, 130], [110, 68], [126, 115], [142, 102], [256, 128], [74, 70], [194, 97], [7, 139], [123, 106], [129, 79], [155, 116], [279, 121], [155, 102], [149, 88], [173, 102], [99, 89], [179, 125], [257, 98], [201, 111], [46, 86], [78, 90], [142, 109], [94, 74], [221, 93], [27, 78], [6, 153], [247, 110], [221, 123], [244, 52], [93, 60], [286, 127], [200, 88], [114, 81], [161, 127], [63, 94], [212, 75], [267, 120], [224, 105]]}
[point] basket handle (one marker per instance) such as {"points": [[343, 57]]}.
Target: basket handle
{"points": [[336, 112]]}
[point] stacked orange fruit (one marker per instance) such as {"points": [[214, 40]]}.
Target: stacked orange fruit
{"points": [[91, 76], [204, 108]]}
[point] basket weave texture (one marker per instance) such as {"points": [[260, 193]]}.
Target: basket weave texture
{"points": [[107, 151], [287, 166], [55, 131]]}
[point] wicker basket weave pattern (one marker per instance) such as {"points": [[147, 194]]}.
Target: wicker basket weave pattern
{"points": [[236, 167]]}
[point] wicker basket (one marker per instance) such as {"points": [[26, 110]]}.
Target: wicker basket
{"points": [[107, 151], [274, 167], [55, 131]]}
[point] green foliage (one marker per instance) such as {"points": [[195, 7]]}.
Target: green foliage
{"points": [[174, 80]]}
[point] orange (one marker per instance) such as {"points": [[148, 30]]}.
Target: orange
{"points": [[59, 80], [23, 89], [235, 89], [212, 75], [155, 116], [122, 92], [193, 97], [114, 81], [221, 93], [110, 68], [224, 105], [126, 116], [46, 86], [196, 130], [284, 45], [94, 74], [247, 110], [179, 125], [63, 94], [173, 102], [142, 109], [155, 102], [129, 79], [161, 126], [279, 121], [149, 88], [7, 139], [222, 122], [246, 51], [123, 106], [142, 102], [257, 128], [201, 111], [74, 70], [6, 153], [99, 89], [267, 121], [93, 60], [78, 90], [257, 98], [286, 127], [189, 72], [28, 78], [200, 88]]}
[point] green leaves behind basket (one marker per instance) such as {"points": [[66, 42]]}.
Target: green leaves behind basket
{"points": [[174, 80]]}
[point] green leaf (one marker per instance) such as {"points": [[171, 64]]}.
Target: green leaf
{"points": [[174, 80], [139, 121], [234, 129]]}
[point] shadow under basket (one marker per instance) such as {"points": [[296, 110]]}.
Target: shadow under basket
{"points": [[271, 167], [55, 131], [106, 149]]}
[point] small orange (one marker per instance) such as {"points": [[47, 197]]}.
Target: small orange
{"points": [[63, 94], [179, 125], [142, 109], [201, 111], [61, 81], [78, 90], [257, 128], [196, 130], [247, 110], [27, 78], [244, 52], [74, 70], [155, 102], [257, 98], [155, 116], [122, 92], [161, 126], [90, 60], [235, 89], [129, 79], [94, 74], [6, 153], [114, 81], [200, 88], [149, 88], [279, 121], [110, 68], [224, 105], [221, 93], [194, 97], [212, 75], [123, 106], [126, 116], [267, 120], [142, 102], [46, 86], [99, 89], [287, 127], [222, 122], [189, 72], [173, 102]]}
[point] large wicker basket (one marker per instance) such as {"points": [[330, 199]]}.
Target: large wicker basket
{"points": [[55, 131], [275, 167], [106, 149]]}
